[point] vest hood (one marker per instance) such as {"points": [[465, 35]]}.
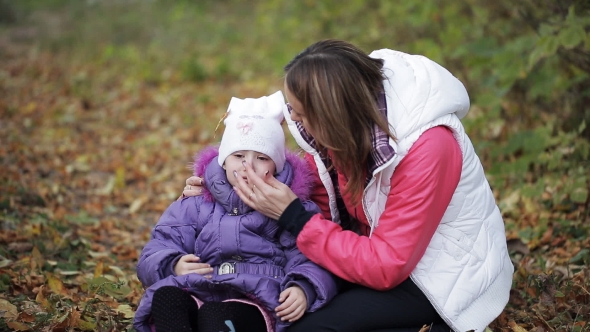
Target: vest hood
{"points": [[418, 91]]}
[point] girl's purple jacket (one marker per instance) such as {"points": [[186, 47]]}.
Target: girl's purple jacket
{"points": [[219, 228]]}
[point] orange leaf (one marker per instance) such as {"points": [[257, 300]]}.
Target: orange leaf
{"points": [[75, 318], [26, 317], [41, 298], [547, 236]]}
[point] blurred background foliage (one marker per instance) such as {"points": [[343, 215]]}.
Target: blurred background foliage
{"points": [[525, 63]]}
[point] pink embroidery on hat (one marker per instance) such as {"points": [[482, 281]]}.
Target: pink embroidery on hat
{"points": [[244, 127]]}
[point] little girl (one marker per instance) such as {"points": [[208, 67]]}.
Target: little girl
{"points": [[213, 263]]}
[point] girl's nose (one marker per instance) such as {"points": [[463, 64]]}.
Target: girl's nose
{"points": [[250, 162]]}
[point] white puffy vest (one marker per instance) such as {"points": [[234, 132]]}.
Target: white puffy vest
{"points": [[466, 271]]}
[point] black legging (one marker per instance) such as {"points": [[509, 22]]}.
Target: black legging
{"points": [[361, 309], [174, 310]]}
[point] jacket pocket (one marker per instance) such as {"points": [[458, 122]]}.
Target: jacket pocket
{"points": [[457, 244]]}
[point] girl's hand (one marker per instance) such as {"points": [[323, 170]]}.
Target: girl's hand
{"points": [[266, 195], [194, 187], [190, 264], [293, 304]]}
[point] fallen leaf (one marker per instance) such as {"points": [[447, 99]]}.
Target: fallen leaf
{"points": [[36, 259], [55, 285], [108, 187], [40, 298], [16, 326], [26, 317], [20, 247], [8, 310], [4, 262], [517, 246], [126, 310], [98, 270], [86, 325], [515, 327], [137, 204]]}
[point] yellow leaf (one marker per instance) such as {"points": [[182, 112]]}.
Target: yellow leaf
{"points": [[36, 229], [55, 285], [118, 271], [510, 202], [515, 327], [120, 177], [36, 259], [98, 270], [30, 108], [16, 326], [8, 310], [126, 310], [95, 254], [86, 326]]}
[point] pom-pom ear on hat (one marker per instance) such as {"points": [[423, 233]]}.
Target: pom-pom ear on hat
{"points": [[255, 124]]}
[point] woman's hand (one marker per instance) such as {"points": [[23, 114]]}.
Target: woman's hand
{"points": [[194, 187], [293, 304], [190, 264], [266, 195]]}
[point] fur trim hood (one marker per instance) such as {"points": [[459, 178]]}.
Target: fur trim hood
{"points": [[302, 174]]}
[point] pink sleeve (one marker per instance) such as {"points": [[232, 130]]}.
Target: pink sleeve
{"points": [[421, 189]]}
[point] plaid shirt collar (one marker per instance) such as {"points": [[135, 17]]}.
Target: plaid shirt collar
{"points": [[381, 151]]}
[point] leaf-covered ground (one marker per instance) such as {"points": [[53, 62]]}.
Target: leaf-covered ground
{"points": [[91, 154], [90, 158]]}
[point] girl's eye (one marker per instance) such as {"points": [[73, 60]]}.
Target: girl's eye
{"points": [[262, 158], [238, 156]]}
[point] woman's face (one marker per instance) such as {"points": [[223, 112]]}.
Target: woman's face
{"points": [[297, 111], [260, 162]]}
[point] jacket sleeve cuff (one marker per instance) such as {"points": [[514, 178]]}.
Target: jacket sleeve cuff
{"points": [[294, 217], [168, 266], [307, 288]]}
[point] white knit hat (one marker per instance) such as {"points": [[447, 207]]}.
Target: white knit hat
{"points": [[255, 124]]}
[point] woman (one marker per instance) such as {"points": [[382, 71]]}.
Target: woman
{"points": [[409, 219]]}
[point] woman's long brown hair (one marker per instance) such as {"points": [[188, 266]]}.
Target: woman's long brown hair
{"points": [[338, 85]]}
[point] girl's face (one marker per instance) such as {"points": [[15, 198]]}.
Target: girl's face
{"points": [[297, 111], [260, 162]]}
